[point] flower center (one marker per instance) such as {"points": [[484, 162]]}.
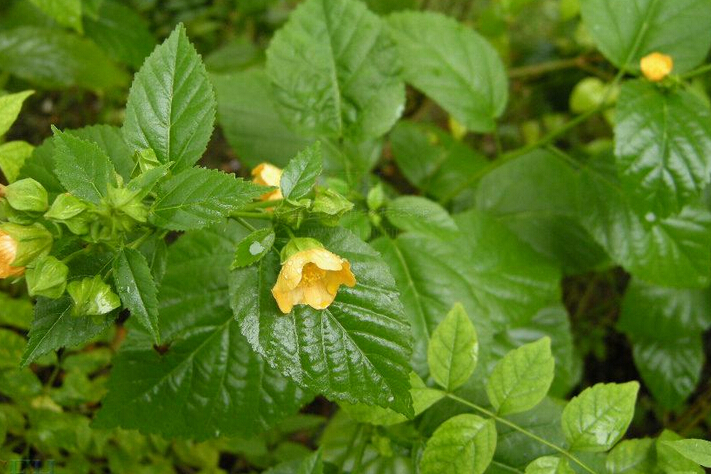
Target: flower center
{"points": [[311, 274]]}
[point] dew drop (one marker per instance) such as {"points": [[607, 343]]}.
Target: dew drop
{"points": [[256, 248], [650, 217], [391, 398]]}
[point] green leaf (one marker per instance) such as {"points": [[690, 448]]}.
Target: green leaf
{"points": [[432, 160], [535, 197], [198, 197], [15, 312], [209, 382], [464, 443], [625, 35], [665, 326], [313, 464], [675, 251], [65, 12], [522, 378], [137, 290], [453, 65], [632, 456], [549, 465], [10, 106], [418, 214], [554, 323], [12, 158], [248, 115], [110, 140], [453, 350], [671, 460], [53, 58], [597, 418], [82, 167], [663, 173], [171, 106], [11, 347], [423, 397], [301, 173], [253, 248], [498, 279], [356, 350], [335, 70], [121, 32], [696, 450], [55, 327]]}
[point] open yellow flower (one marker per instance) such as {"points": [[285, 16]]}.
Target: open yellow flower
{"points": [[656, 66], [311, 277], [8, 252], [268, 175]]}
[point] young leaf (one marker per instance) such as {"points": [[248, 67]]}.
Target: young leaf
{"points": [[357, 350], [418, 214], [597, 418], [137, 290], [209, 382], [110, 141], [632, 456], [665, 173], [549, 465], [522, 378], [625, 33], [696, 450], [301, 173], [464, 443], [453, 350], [198, 197], [171, 106], [335, 70], [253, 247], [642, 245], [82, 167], [454, 65], [10, 106], [12, 158]]}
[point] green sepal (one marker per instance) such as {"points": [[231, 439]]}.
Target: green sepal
{"points": [[128, 203], [26, 195], [329, 206], [70, 211], [146, 160], [48, 277], [92, 297], [293, 213], [33, 241], [299, 244]]}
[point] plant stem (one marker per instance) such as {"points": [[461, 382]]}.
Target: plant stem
{"points": [[697, 72], [245, 224], [542, 68], [137, 243], [364, 432], [522, 430], [262, 204], [251, 215]]}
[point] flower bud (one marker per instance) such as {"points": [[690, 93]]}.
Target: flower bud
{"points": [[48, 277], [268, 175], [92, 297], [26, 195], [293, 213], [656, 66], [147, 160], [70, 211], [376, 197], [8, 252], [33, 242], [330, 206]]}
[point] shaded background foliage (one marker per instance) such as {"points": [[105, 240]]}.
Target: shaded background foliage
{"points": [[606, 326]]}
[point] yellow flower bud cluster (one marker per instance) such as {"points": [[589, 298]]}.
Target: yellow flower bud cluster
{"points": [[656, 66]]}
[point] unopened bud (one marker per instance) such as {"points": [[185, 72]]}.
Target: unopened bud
{"points": [[656, 66], [48, 277]]}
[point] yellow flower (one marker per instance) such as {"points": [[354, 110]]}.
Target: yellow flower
{"points": [[311, 277], [268, 175], [656, 66], [8, 251]]}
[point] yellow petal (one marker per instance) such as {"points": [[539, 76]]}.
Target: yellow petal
{"points": [[8, 251], [268, 175], [656, 66], [318, 297]]}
